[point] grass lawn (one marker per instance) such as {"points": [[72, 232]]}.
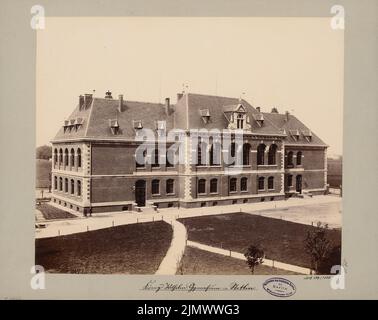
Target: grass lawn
{"points": [[196, 261], [43, 172], [128, 249], [50, 212], [281, 240]]}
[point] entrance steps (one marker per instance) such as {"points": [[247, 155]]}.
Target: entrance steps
{"points": [[146, 209]]}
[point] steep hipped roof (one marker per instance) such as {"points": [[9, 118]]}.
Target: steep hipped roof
{"points": [[103, 112], [292, 125], [101, 119]]}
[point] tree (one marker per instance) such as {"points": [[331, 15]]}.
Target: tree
{"points": [[317, 246], [44, 152], [255, 257], [333, 259]]}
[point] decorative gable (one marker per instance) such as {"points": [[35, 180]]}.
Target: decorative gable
{"points": [[237, 117]]}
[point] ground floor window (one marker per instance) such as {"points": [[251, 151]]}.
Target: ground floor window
{"points": [[155, 187], [232, 186], [290, 180], [201, 186], [169, 186], [213, 186], [243, 184], [72, 186], [270, 183], [261, 183]]}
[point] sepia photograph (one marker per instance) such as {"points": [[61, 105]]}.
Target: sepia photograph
{"points": [[189, 146]]}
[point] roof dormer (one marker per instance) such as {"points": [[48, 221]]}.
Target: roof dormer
{"points": [[205, 115], [307, 134], [114, 126], [259, 118], [137, 124], [294, 134], [237, 117]]}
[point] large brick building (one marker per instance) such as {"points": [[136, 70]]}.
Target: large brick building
{"points": [[95, 170]]}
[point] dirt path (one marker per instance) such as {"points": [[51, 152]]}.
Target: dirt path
{"points": [[172, 259]]}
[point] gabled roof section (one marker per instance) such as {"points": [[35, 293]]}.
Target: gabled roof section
{"points": [[191, 104], [292, 127]]}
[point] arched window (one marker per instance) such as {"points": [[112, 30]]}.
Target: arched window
{"points": [[272, 154], [78, 188], [169, 188], [232, 186], [261, 183], [72, 157], [213, 185], [271, 183], [246, 152], [299, 158], [170, 156], [60, 156], [201, 186], [60, 184], [72, 186], [260, 154], [142, 162], [214, 154], [79, 158], [55, 156], [55, 183], [201, 154], [290, 158], [65, 185], [66, 157], [244, 184], [155, 187], [232, 153], [156, 162]]}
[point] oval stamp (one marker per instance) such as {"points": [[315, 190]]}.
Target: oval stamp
{"points": [[279, 287]]}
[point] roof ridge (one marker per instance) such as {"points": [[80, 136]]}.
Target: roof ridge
{"points": [[212, 96], [107, 99]]}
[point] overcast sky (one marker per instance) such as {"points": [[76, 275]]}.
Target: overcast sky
{"points": [[293, 64]]}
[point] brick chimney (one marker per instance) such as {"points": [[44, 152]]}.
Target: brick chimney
{"points": [[81, 101], [287, 116], [87, 100], [108, 95], [167, 106], [120, 102], [179, 96]]}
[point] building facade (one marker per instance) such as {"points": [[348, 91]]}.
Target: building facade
{"points": [[95, 167]]}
